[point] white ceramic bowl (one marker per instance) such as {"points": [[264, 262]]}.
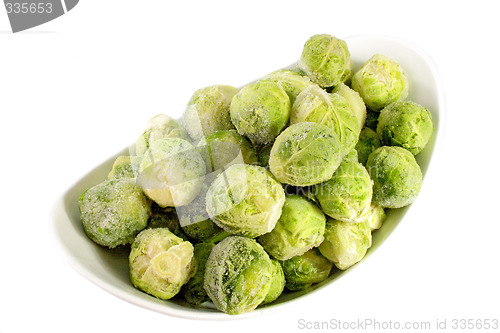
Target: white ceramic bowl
{"points": [[109, 269]]}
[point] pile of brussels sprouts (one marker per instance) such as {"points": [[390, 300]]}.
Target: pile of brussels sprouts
{"points": [[264, 189]]}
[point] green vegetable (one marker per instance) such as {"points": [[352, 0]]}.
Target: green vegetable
{"points": [[114, 212], [348, 194], [160, 262], [326, 60], [396, 176], [299, 229], [345, 243], [260, 111], [277, 283], [305, 154], [245, 200], [193, 291], [367, 143], [405, 124], [292, 82], [208, 111], [160, 126], [303, 271], [238, 275], [380, 81], [172, 172]]}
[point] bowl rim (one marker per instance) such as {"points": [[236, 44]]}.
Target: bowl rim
{"points": [[58, 210]]}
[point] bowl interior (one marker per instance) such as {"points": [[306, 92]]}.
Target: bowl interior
{"points": [[109, 268]]}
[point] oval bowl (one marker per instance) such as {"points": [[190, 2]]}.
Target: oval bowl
{"points": [[108, 269]]}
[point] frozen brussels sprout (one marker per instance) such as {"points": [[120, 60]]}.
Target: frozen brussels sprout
{"points": [[238, 275], [292, 82], [193, 291], [114, 212], [358, 107], [348, 194], [299, 229], [375, 217], [172, 172], [194, 219], [165, 218], [367, 143], [277, 283], [160, 126], [303, 271], [221, 149], [345, 243], [396, 176], [160, 262], [260, 111], [316, 105], [380, 81], [371, 119], [305, 154], [326, 60], [245, 200], [405, 124], [208, 111], [125, 167]]}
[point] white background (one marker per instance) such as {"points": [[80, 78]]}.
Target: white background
{"points": [[79, 89]]}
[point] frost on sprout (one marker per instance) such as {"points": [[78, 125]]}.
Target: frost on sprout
{"points": [[292, 82], [326, 60], [160, 126], [305, 154], [172, 172], [160, 262], [238, 275], [380, 81], [245, 200], [348, 194], [396, 176], [345, 243], [208, 111], [305, 270], [405, 124], [299, 229], [260, 111], [114, 212]]}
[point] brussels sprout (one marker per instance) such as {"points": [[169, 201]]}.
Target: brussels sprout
{"points": [[345, 243], [160, 126], [396, 176], [375, 217], [208, 111], [299, 229], [405, 124], [367, 143], [238, 275], [114, 212], [194, 219], [326, 60], [347, 195], [292, 82], [305, 154], [358, 107], [221, 149], [304, 270], [172, 172], [380, 81], [165, 218], [277, 283], [245, 200], [160, 262], [193, 291], [125, 167], [316, 105], [260, 111]]}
